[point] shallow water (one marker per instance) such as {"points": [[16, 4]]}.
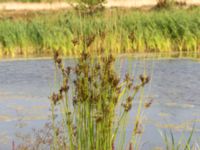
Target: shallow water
{"points": [[175, 85]]}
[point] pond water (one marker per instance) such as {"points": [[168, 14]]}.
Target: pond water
{"points": [[175, 89]]}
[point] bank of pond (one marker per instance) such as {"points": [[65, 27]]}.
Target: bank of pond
{"points": [[113, 30]]}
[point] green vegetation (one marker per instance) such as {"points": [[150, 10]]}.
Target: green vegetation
{"points": [[118, 31], [90, 95], [91, 2], [182, 144], [93, 104]]}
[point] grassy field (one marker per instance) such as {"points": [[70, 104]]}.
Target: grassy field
{"points": [[116, 30]]}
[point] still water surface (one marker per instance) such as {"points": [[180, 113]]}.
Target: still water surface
{"points": [[175, 89]]}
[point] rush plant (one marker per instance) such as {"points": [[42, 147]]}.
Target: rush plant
{"points": [[88, 97]]}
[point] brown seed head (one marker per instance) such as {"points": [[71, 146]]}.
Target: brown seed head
{"points": [[84, 55], [97, 67], [129, 99], [127, 77], [55, 98], [68, 70], [56, 55], [148, 104], [75, 41], [64, 88], [59, 61], [144, 79], [116, 82]]}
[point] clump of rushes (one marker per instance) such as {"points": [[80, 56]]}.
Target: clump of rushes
{"points": [[89, 96]]}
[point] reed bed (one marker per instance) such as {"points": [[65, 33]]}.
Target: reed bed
{"points": [[116, 30]]}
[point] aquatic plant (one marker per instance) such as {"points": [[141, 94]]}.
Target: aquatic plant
{"points": [[115, 30], [89, 96], [182, 144]]}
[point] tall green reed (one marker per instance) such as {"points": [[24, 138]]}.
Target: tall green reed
{"points": [[119, 31]]}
